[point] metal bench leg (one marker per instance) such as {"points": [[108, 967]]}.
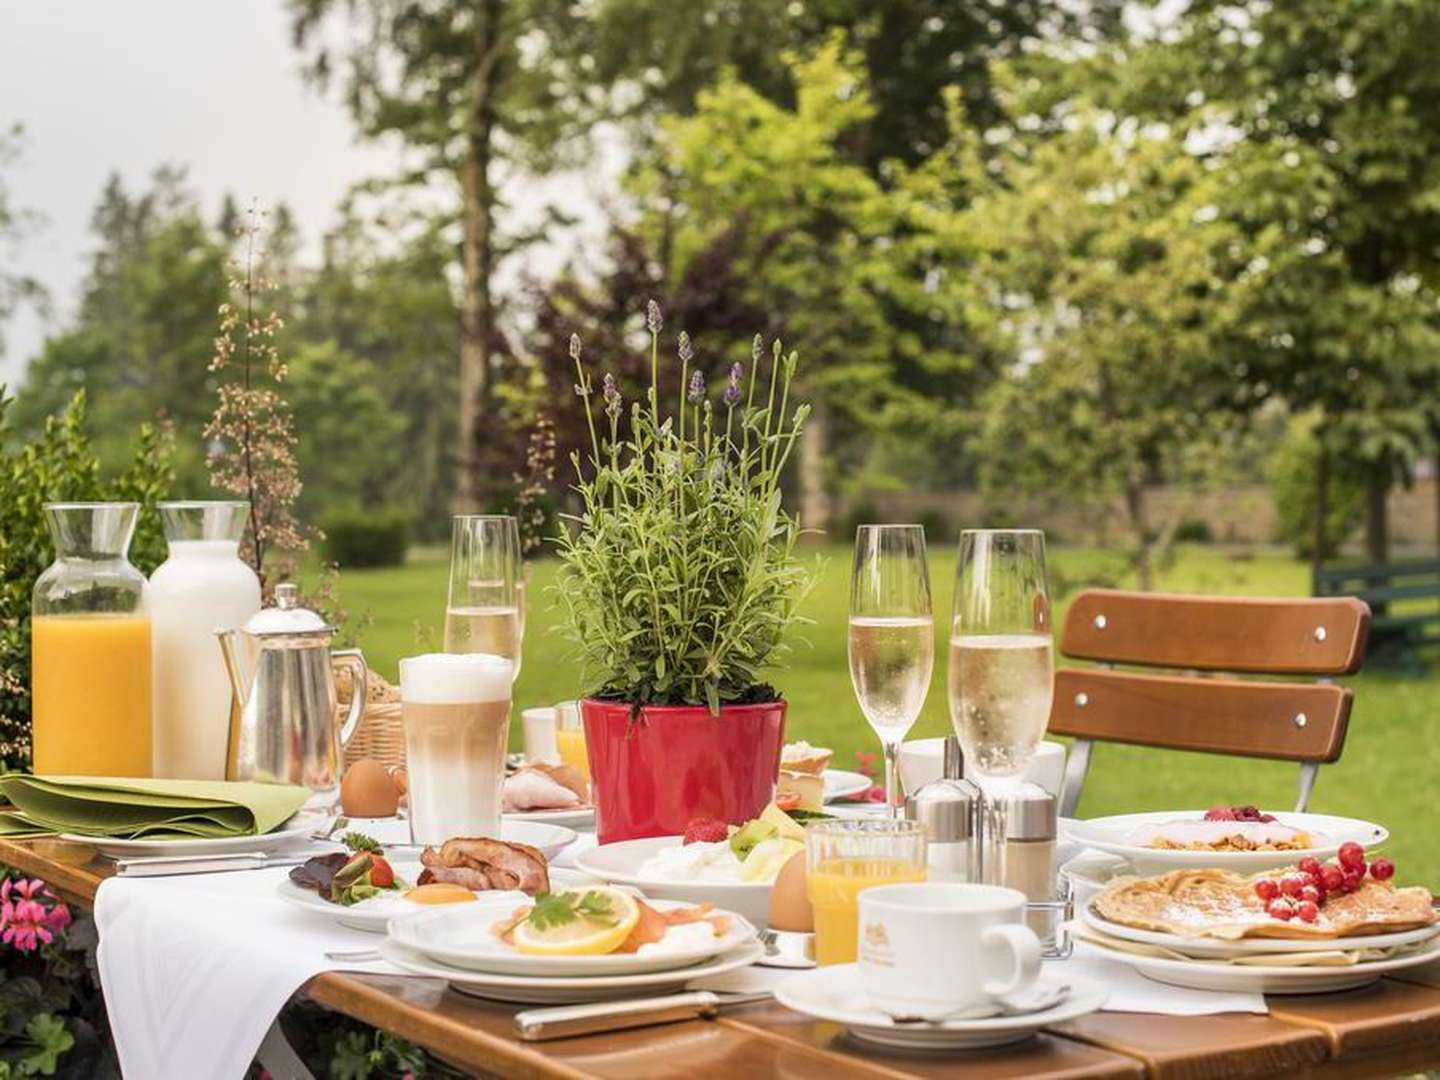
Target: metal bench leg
{"points": [[1077, 765], [278, 1057], [1309, 770]]}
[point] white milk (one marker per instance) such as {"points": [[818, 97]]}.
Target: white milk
{"points": [[457, 716], [201, 587]]}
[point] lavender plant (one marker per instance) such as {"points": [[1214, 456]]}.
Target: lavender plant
{"points": [[680, 578]]}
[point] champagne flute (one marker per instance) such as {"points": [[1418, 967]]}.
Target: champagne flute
{"points": [[484, 610], [1001, 677], [892, 634]]}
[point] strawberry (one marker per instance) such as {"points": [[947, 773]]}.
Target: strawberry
{"points": [[706, 830], [382, 874]]}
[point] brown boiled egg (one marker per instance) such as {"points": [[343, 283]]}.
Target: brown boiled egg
{"points": [[789, 902], [368, 791]]}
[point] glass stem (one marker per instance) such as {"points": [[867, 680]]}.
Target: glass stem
{"points": [[892, 778]]}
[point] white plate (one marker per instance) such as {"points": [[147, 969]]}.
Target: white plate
{"points": [[1253, 979], [561, 990], [373, 918], [294, 830], [1107, 834], [836, 993], [620, 864], [463, 939], [840, 783], [1211, 948], [580, 816]]}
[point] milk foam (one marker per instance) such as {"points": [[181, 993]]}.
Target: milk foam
{"points": [[455, 678]]}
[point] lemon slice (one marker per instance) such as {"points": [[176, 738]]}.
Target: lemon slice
{"points": [[582, 936]]}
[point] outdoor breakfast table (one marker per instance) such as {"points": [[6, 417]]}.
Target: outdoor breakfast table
{"points": [[1392, 1026]]}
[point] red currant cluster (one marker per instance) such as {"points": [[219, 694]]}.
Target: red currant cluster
{"points": [[1238, 813], [1301, 896]]}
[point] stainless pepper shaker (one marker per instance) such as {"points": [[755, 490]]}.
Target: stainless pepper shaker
{"points": [[949, 808]]}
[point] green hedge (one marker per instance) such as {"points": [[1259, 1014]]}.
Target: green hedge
{"points": [[366, 539]]}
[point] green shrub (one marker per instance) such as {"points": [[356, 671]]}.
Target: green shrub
{"points": [[937, 529], [1291, 477], [1194, 531], [59, 466], [357, 539], [861, 512]]}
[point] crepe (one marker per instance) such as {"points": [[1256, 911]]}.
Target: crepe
{"points": [[1223, 905]]}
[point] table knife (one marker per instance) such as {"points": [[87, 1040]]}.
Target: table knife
{"points": [[172, 865], [566, 1021]]}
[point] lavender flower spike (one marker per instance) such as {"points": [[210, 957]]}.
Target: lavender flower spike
{"points": [[697, 388], [757, 347], [575, 347], [611, 393], [652, 317], [687, 352], [731, 396]]}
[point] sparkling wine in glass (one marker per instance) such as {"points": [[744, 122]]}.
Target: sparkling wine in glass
{"points": [[1001, 677], [891, 634], [484, 612]]}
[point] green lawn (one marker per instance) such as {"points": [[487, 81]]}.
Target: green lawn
{"points": [[1388, 771]]}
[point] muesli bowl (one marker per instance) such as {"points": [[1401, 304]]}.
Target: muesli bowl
{"points": [[1133, 836], [621, 864]]}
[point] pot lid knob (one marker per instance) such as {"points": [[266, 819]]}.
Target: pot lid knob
{"points": [[287, 616]]}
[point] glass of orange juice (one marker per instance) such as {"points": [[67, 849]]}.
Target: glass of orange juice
{"points": [[843, 857], [570, 737]]}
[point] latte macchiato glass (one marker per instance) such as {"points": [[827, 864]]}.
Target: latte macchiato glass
{"points": [[457, 720]]}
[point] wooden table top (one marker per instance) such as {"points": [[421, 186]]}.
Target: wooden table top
{"points": [[1392, 1026]]}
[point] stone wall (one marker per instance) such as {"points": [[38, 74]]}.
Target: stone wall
{"points": [[1235, 515]]}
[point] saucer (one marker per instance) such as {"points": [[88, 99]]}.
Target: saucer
{"points": [[837, 993]]}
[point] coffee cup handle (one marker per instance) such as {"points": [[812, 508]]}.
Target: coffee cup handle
{"points": [[1024, 948]]}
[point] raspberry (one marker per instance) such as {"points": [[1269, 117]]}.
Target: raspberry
{"points": [[1309, 866], [1220, 813], [1352, 856], [707, 830], [1332, 877], [1267, 889], [1279, 909]]}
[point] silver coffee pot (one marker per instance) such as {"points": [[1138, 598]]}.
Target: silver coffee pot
{"points": [[282, 712]]}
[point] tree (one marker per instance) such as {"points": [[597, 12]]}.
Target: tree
{"points": [[1349, 95], [15, 289], [468, 86], [143, 329], [1124, 281]]}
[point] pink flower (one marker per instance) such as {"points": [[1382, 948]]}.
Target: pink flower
{"points": [[26, 922]]}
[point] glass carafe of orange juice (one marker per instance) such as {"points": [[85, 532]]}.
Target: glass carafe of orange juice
{"points": [[90, 647]]}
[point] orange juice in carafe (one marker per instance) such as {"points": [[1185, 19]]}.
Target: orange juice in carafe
{"points": [[91, 694], [90, 647]]}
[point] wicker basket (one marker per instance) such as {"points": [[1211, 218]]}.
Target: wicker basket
{"points": [[381, 734]]}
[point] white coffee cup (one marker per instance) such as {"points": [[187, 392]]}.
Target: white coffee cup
{"points": [[538, 725], [932, 949]]}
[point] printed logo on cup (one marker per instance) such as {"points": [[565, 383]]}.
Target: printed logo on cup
{"points": [[875, 945]]}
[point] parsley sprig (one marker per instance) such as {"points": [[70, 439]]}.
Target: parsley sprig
{"points": [[560, 909], [358, 841]]}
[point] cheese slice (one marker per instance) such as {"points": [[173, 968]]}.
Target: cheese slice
{"points": [[808, 786]]}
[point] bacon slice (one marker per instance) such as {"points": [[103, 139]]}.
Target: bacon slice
{"points": [[480, 864]]}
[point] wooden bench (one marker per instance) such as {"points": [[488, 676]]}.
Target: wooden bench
{"points": [[1404, 625]]}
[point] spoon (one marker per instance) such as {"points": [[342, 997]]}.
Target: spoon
{"points": [[1036, 1000]]}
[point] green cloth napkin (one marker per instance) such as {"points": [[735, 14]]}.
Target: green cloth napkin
{"points": [[125, 808]]}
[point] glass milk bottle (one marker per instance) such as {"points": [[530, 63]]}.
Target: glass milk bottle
{"points": [[90, 647], [203, 586]]}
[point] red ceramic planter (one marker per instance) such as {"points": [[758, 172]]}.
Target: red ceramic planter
{"points": [[677, 762]]}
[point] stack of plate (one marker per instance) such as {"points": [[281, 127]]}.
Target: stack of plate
{"points": [[455, 943], [1210, 964]]}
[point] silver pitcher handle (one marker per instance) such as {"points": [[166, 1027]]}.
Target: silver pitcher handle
{"points": [[355, 661]]}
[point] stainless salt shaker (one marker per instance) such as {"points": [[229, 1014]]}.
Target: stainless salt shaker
{"points": [[949, 808], [1021, 829]]}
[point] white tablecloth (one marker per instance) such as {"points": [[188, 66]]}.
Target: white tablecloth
{"points": [[195, 969]]}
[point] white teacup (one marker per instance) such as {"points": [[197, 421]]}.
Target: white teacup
{"points": [[932, 949]]}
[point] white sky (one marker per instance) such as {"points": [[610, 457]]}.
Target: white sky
{"points": [[213, 85]]}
